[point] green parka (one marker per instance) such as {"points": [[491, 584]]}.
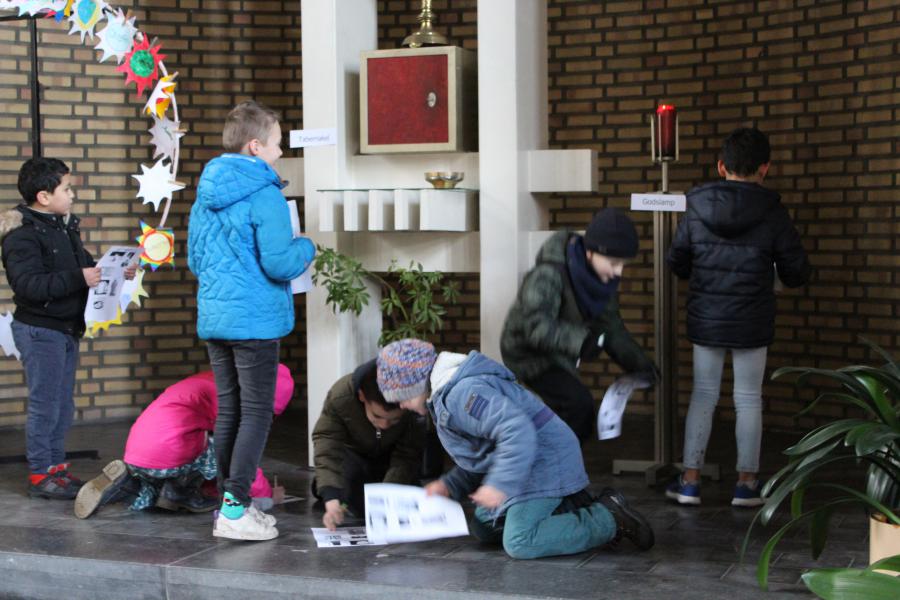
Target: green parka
{"points": [[343, 425], [545, 329]]}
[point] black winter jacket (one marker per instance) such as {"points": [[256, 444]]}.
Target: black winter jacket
{"points": [[43, 256], [729, 244]]}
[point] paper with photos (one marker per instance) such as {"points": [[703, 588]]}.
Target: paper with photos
{"points": [[403, 513], [103, 299]]}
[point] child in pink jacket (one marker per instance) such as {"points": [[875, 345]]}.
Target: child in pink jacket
{"points": [[169, 452]]}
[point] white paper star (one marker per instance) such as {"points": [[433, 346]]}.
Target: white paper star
{"points": [[33, 7], [85, 16], [6, 337], [157, 183], [117, 38], [162, 96], [166, 134]]}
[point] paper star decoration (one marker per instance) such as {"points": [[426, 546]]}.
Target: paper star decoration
{"points": [[161, 97], [117, 38], [132, 291], [86, 14], [33, 7], [6, 337], [166, 134], [158, 246], [141, 65], [94, 327], [157, 183]]}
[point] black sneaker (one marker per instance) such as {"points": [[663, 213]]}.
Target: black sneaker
{"points": [[52, 487], [629, 522], [102, 489], [174, 496]]}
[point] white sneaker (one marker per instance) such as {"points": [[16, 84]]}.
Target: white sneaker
{"points": [[248, 527], [264, 517]]}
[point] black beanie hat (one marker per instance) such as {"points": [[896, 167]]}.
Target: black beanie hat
{"points": [[612, 233]]}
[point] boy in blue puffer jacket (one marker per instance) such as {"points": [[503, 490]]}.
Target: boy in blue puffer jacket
{"points": [[242, 250], [518, 461]]}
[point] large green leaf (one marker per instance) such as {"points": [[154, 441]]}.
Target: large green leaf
{"points": [[818, 531], [877, 383], [891, 366], [891, 563], [875, 439], [852, 584], [823, 434], [838, 396]]}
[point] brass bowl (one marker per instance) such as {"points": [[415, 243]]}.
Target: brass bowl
{"points": [[444, 180]]}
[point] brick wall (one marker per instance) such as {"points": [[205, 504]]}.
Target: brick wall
{"points": [[224, 53], [819, 77]]}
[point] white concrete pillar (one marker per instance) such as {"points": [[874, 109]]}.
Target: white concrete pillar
{"points": [[512, 117], [334, 33]]}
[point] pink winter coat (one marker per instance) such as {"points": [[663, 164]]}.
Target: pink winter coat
{"points": [[172, 431]]}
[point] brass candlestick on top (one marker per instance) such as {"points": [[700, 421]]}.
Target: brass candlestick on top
{"points": [[425, 35]]}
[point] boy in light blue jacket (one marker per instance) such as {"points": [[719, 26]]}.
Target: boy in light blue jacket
{"points": [[518, 461], [242, 250]]}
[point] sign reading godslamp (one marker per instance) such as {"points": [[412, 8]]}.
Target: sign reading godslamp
{"points": [[662, 202]]}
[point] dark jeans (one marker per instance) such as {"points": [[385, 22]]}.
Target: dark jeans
{"points": [[568, 398], [245, 372], [50, 358]]}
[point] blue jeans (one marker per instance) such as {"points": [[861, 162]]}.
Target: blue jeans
{"points": [[245, 373], [50, 358], [531, 530], [749, 366]]}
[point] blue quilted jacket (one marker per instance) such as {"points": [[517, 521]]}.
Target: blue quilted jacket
{"points": [[241, 248], [502, 435]]}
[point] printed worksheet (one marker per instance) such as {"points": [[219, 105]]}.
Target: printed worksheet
{"points": [[303, 283], [609, 418], [341, 537], [103, 299], [403, 513]]}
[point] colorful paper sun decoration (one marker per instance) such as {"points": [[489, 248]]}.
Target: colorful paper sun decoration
{"points": [[117, 38], [142, 65], [85, 15], [158, 246], [161, 97]]}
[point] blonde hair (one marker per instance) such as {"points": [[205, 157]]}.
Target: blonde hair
{"points": [[247, 121]]}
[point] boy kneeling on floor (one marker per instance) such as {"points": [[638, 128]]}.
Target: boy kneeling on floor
{"points": [[518, 461]]}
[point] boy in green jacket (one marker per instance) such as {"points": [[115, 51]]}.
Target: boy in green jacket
{"points": [[360, 438], [567, 311]]}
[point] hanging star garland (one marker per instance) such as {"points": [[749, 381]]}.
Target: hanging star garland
{"points": [[117, 38], [139, 58], [142, 65], [161, 97], [157, 183], [158, 246], [166, 134], [132, 291], [85, 16]]}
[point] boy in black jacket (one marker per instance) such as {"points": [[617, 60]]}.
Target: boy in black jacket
{"points": [[49, 272], [733, 240]]}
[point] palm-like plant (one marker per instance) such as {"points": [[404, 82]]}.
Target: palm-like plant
{"points": [[870, 443]]}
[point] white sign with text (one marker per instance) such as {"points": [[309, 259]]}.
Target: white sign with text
{"points": [[662, 202], [304, 138]]}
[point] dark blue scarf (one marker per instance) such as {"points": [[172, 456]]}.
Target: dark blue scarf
{"points": [[591, 294]]}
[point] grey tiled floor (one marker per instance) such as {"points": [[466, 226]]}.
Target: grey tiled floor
{"points": [[119, 554]]}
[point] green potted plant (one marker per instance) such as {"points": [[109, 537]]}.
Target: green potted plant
{"points": [[820, 465], [409, 300]]}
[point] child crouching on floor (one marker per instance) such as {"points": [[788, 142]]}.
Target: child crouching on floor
{"points": [[169, 453]]}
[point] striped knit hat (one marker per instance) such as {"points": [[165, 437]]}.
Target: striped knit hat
{"points": [[403, 369]]}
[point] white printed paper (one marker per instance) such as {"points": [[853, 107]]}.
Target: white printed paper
{"points": [[305, 138], [103, 302], [403, 513], [6, 336], [303, 283], [341, 537], [609, 418]]}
